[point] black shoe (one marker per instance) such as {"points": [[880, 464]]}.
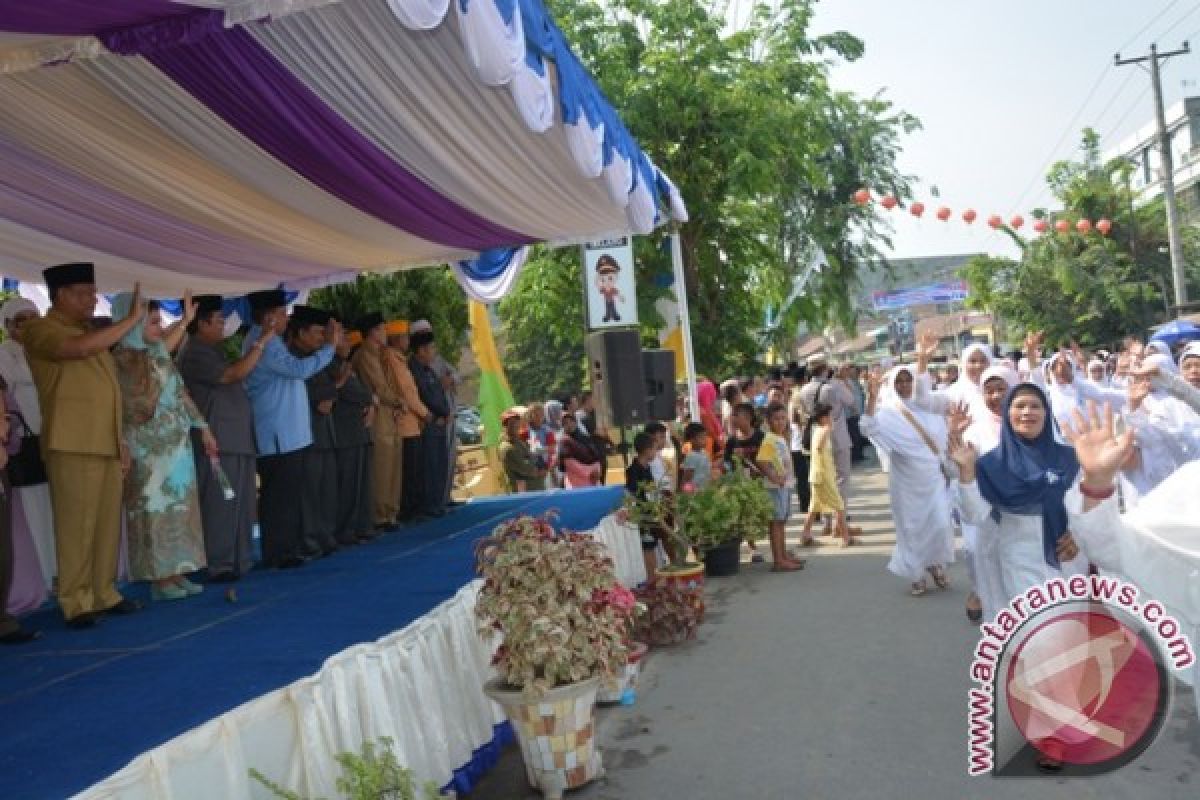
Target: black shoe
{"points": [[84, 621], [20, 636], [126, 606]]}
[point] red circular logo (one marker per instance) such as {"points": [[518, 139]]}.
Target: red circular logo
{"points": [[1085, 688]]}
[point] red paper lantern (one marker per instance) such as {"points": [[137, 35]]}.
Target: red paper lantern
{"points": [[943, 213], [1084, 226], [995, 221], [862, 196], [1016, 222], [1104, 226], [1040, 225], [1062, 226], [969, 215], [917, 209], [888, 202]]}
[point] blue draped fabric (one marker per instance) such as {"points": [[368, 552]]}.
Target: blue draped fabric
{"points": [[490, 265]]}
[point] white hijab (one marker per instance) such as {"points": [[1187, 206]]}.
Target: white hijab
{"points": [[985, 428], [965, 390], [14, 367], [895, 434]]}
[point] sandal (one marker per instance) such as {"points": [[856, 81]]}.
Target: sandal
{"points": [[919, 588], [939, 577]]}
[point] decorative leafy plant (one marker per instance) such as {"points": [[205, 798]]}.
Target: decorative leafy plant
{"points": [[709, 516], [660, 510], [555, 601], [751, 502], [373, 775], [672, 614]]}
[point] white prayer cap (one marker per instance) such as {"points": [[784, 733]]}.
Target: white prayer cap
{"points": [[420, 326], [1192, 350]]}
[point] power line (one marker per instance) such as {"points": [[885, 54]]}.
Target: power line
{"points": [[1153, 20], [1116, 127], [1178, 22], [1066, 132]]}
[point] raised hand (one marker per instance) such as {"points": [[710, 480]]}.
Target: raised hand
{"points": [[189, 307], [964, 455], [874, 382], [958, 419], [1033, 346], [1100, 451], [927, 347], [137, 308]]}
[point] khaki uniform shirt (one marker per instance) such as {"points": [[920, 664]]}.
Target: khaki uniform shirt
{"points": [[80, 398]]}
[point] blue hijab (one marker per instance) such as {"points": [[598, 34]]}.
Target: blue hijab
{"points": [[1028, 477]]}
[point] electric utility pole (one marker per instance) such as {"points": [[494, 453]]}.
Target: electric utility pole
{"points": [[1168, 165]]}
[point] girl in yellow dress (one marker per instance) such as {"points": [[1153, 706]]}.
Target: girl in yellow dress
{"points": [[822, 475]]}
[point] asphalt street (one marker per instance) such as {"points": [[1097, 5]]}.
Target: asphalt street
{"points": [[830, 683]]}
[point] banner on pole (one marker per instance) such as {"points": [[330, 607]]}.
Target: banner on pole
{"points": [[609, 288], [933, 294]]}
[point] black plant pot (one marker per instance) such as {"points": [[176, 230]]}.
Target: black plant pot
{"points": [[724, 559]]}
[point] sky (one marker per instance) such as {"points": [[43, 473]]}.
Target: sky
{"points": [[1003, 90]]}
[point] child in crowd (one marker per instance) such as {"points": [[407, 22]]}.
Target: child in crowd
{"points": [[741, 450], [822, 476], [696, 468], [640, 482], [774, 458]]}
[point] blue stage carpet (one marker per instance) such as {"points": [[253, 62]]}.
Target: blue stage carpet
{"points": [[79, 705]]}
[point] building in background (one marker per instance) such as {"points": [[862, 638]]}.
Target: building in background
{"points": [[1141, 148]]}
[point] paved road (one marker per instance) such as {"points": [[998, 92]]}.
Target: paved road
{"points": [[829, 683]]}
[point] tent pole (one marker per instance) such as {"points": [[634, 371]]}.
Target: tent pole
{"points": [[685, 321]]}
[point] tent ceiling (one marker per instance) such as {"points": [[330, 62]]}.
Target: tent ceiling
{"points": [[301, 141]]}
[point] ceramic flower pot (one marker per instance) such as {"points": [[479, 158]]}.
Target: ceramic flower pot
{"points": [[629, 676], [556, 734]]}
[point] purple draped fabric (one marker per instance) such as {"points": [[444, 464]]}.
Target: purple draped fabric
{"points": [[83, 17], [239, 80], [39, 194]]}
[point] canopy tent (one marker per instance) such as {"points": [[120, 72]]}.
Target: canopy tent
{"points": [[230, 145]]}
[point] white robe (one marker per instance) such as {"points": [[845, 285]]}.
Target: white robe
{"points": [[35, 500], [1015, 559], [1155, 546], [919, 497]]}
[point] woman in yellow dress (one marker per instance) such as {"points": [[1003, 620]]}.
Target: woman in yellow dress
{"points": [[822, 475]]}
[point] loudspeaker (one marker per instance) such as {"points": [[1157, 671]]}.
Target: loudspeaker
{"points": [[659, 369], [618, 382]]}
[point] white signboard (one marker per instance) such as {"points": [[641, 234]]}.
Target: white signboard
{"points": [[608, 283]]}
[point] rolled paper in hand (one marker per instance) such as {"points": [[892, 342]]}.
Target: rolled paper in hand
{"points": [[222, 478]]}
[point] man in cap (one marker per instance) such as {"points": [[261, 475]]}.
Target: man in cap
{"points": [[282, 427], [410, 421], [449, 378], [217, 388], [374, 363], [521, 472], [353, 416], [81, 439], [432, 449]]}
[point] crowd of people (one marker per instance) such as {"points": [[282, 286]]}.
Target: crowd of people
{"points": [[324, 438]]}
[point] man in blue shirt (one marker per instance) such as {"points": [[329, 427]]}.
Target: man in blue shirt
{"points": [[282, 425]]}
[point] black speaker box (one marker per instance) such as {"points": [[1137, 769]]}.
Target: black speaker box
{"points": [[659, 369], [617, 377]]}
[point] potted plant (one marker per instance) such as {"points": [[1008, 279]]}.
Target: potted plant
{"points": [[733, 509], [564, 621], [374, 774], [671, 616], [661, 510]]}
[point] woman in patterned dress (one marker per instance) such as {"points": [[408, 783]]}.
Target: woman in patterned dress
{"points": [[162, 511]]}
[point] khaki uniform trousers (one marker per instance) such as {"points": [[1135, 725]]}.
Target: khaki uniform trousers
{"points": [[387, 465], [85, 491]]}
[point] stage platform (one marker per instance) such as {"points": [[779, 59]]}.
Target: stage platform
{"points": [[79, 705]]}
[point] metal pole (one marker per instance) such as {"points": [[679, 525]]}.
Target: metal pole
{"points": [[1174, 238], [685, 322]]}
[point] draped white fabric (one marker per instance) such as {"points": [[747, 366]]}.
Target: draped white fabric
{"points": [[522, 188], [495, 48], [421, 15], [421, 686]]}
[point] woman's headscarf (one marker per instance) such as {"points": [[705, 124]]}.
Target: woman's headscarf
{"points": [[985, 428], [1028, 477], [122, 304], [14, 306], [1191, 351], [706, 394]]}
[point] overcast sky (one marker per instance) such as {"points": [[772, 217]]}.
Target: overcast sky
{"points": [[997, 85]]}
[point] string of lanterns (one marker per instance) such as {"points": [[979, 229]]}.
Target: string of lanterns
{"points": [[1083, 226]]}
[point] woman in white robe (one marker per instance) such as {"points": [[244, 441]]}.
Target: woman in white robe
{"points": [[917, 485], [1155, 546], [1021, 520], [1067, 391], [1189, 365], [32, 501], [1166, 428]]}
